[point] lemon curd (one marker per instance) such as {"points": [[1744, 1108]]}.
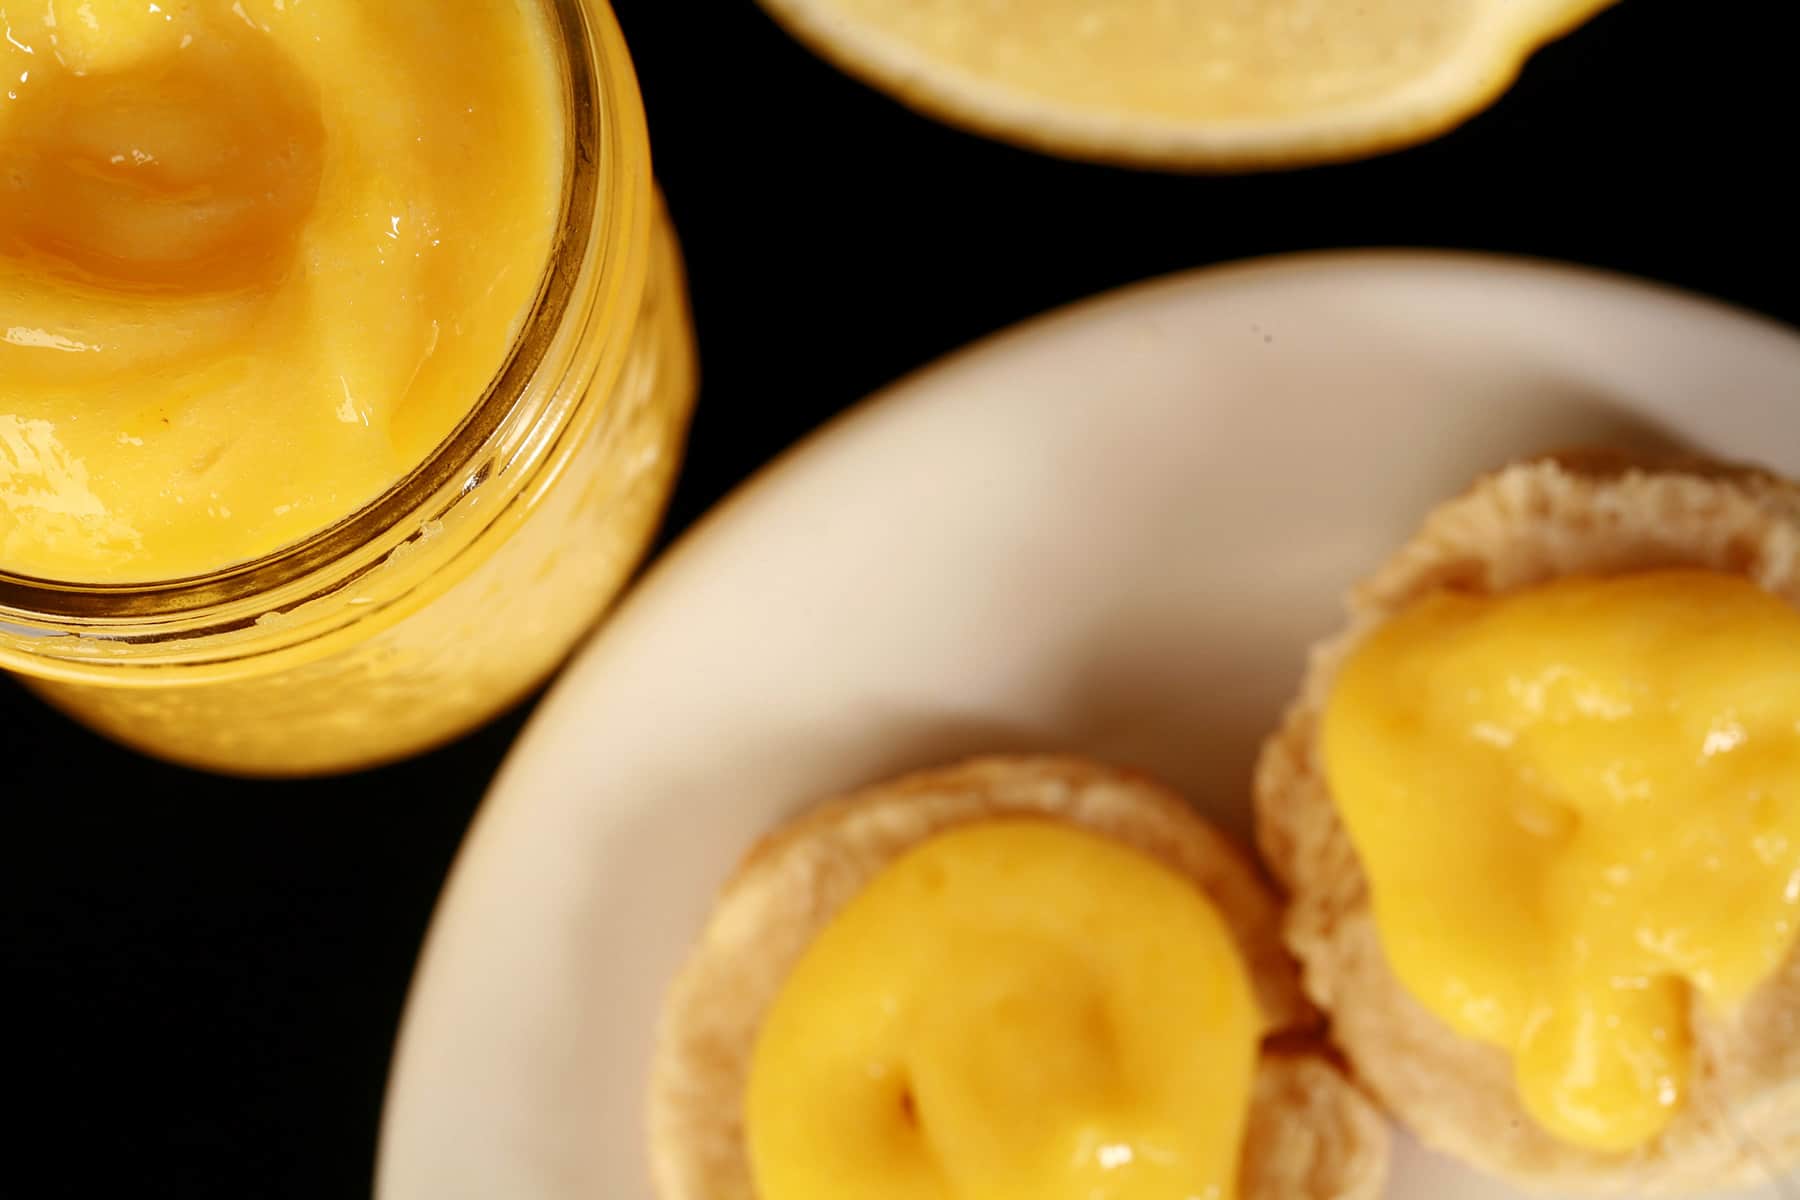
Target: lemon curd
{"points": [[257, 259], [345, 362], [1579, 810], [1015, 1010]]}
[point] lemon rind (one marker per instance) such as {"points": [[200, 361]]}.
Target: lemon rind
{"points": [[1459, 86]]}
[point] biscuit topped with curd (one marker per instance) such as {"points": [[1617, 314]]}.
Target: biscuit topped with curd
{"points": [[1539, 810], [1017, 978]]}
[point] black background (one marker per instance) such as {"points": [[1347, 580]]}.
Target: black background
{"points": [[203, 976]]}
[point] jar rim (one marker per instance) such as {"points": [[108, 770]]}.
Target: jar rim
{"points": [[603, 141]]}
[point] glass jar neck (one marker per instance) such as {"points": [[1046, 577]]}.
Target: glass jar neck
{"points": [[425, 531]]}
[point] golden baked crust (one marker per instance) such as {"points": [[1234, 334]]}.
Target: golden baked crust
{"points": [[795, 881], [1311, 1134], [1593, 513]]}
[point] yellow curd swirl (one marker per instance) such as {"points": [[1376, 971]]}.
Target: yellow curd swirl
{"points": [[1578, 807], [1015, 1010], [258, 258]]}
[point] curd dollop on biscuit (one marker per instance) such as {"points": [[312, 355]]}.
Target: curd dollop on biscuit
{"points": [[1578, 806], [1015, 1009]]}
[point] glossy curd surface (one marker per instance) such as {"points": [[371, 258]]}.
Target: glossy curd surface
{"points": [[1015, 1010], [1578, 806], [258, 258]]}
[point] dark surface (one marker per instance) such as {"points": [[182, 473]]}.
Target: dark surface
{"points": [[203, 976]]}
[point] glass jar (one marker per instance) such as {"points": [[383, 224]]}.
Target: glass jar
{"points": [[459, 589]]}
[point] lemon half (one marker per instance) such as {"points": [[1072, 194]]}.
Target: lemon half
{"points": [[1189, 84]]}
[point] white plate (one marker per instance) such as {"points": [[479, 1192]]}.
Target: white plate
{"points": [[1113, 530]]}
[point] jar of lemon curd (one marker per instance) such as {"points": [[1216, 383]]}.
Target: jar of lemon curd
{"points": [[345, 362]]}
